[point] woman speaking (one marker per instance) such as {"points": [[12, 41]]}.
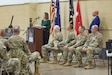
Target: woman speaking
{"points": [[46, 31]]}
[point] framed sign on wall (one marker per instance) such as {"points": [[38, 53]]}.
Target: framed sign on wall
{"points": [[8, 32], [30, 35]]}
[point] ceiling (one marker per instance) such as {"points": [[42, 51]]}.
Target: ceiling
{"points": [[11, 2]]}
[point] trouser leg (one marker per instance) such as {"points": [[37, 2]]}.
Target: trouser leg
{"points": [[70, 57], [70, 54], [36, 69], [78, 54], [89, 53], [44, 54], [44, 51], [55, 53], [65, 55], [24, 65], [15, 65]]}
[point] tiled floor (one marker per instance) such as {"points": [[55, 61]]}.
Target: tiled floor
{"points": [[56, 69]]}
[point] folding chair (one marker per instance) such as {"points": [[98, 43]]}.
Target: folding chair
{"points": [[96, 56], [53, 49], [62, 56]]}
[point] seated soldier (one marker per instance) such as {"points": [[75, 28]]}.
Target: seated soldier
{"points": [[35, 57], [12, 65], [70, 37], [69, 50], [93, 45], [52, 45], [2, 35], [19, 49]]}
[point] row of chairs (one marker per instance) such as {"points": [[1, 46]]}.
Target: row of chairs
{"points": [[95, 57]]}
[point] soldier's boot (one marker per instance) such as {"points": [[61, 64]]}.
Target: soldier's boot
{"points": [[89, 66], [43, 60], [54, 61], [79, 64], [63, 62], [37, 71], [68, 63]]}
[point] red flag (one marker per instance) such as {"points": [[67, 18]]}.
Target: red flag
{"points": [[78, 20]]}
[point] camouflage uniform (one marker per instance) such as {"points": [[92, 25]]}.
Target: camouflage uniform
{"points": [[14, 66], [11, 64], [93, 44], [81, 38], [35, 57], [18, 49], [45, 48], [2, 40], [70, 37]]}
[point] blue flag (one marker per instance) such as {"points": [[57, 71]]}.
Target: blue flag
{"points": [[71, 12], [57, 20]]}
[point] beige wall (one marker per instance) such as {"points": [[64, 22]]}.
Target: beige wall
{"points": [[21, 16], [22, 13], [87, 6]]}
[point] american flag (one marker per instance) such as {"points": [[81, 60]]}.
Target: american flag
{"points": [[52, 13]]}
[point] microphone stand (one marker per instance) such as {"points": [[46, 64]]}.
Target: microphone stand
{"points": [[10, 26], [31, 24], [25, 32], [34, 21]]}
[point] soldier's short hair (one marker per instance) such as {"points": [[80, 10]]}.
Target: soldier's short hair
{"points": [[2, 33], [95, 26], [56, 27], [16, 28], [83, 27]]}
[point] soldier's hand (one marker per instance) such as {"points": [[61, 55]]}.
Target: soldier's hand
{"points": [[84, 49], [4, 47], [70, 48], [55, 47], [66, 46]]}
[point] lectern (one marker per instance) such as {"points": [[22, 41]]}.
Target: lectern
{"points": [[35, 39]]}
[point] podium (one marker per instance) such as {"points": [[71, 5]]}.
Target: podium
{"points": [[35, 39]]}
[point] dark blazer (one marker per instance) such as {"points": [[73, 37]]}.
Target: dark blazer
{"points": [[96, 21]]}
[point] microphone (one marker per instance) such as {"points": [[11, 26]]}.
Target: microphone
{"points": [[38, 17]]}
